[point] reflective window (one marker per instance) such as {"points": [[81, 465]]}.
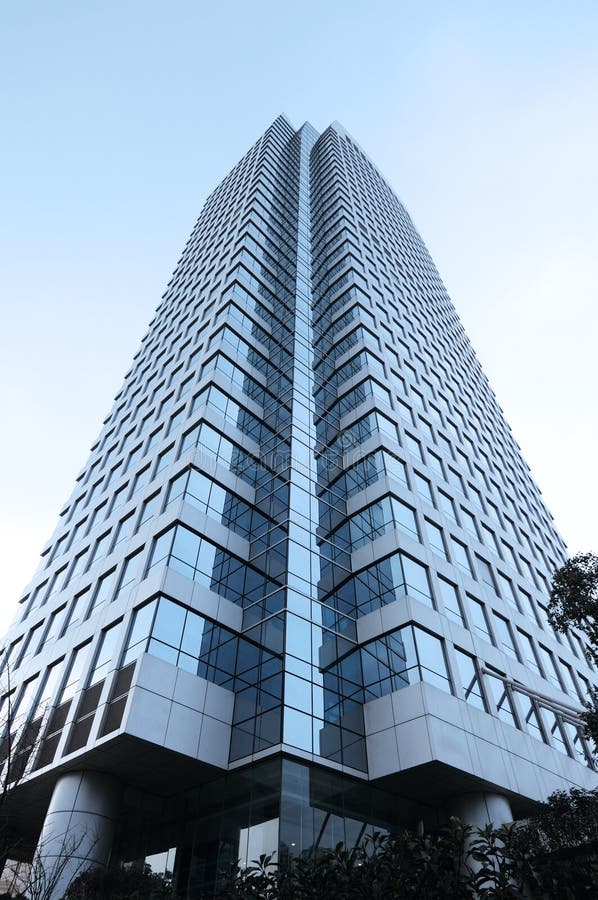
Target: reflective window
{"points": [[196, 558], [435, 538], [479, 621], [450, 600], [469, 679], [504, 636], [501, 697], [460, 556], [530, 716], [529, 654], [130, 573]]}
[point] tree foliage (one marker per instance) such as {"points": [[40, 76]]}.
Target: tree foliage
{"points": [[553, 856], [119, 884], [574, 602], [574, 598]]}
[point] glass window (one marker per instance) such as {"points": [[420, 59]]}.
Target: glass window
{"points": [[531, 717], [46, 695], [75, 669], [447, 506], [405, 517], [119, 497], [422, 486], [169, 623], [504, 636], [103, 591], [124, 529], [30, 644], [435, 538], [460, 555], [21, 708], [477, 613], [431, 658], [551, 672], [554, 728], [469, 679], [130, 573], [414, 446], [140, 632], [54, 626], [165, 458], [529, 654], [569, 681], [106, 655], [501, 697], [141, 479], [469, 523], [150, 508], [507, 591], [416, 579], [450, 600], [573, 732], [486, 575]]}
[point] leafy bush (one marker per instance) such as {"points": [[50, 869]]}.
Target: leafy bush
{"points": [[119, 884]]}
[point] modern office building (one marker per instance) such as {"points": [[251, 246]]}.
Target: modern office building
{"points": [[299, 589]]}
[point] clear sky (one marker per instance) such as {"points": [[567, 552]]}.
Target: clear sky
{"points": [[119, 117]]}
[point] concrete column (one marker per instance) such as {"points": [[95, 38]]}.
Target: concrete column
{"points": [[78, 830], [481, 809]]}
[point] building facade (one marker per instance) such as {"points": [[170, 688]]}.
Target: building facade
{"points": [[300, 587]]}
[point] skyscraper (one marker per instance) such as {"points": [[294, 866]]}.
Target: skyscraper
{"points": [[300, 586]]}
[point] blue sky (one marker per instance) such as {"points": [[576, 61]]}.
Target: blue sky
{"points": [[119, 118]]}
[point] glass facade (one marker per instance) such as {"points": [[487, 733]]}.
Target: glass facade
{"points": [[305, 507]]}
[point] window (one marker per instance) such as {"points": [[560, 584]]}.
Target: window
{"points": [[447, 506], [416, 579], [435, 538], [30, 644], [450, 600], [405, 518], [529, 654], [124, 529], [507, 590], [154, 438], [477, 614], [504, 636], [101, 549], [78, 566], [531, 717], [422, 486], [469, 523], [54, 626], [71, 682], [164, 459], [401, 658], [501, 697], [573, 732], [486, 575], [414, 446], [149, 509], [551, 672], [103, 591], [554, 728], [569, 680], [435, 464], [90, 698], [130, 573], [176, 420], [134, 457], [119, 497], [76, 613], [460, 556], [469, 679]]}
